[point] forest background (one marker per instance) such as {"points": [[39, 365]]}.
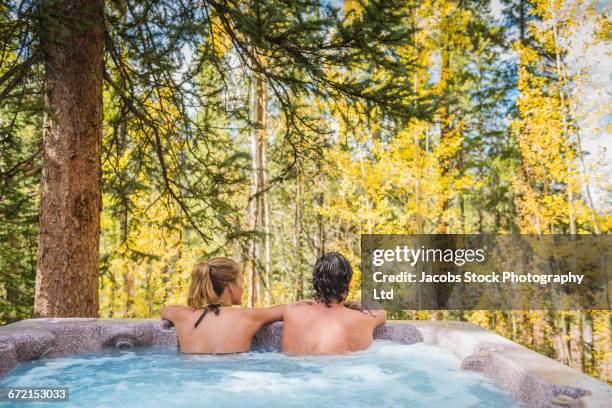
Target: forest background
{"points": [[275, 131]]}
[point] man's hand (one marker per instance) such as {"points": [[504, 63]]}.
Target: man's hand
{"points": [[354, 304], [371, 307]]}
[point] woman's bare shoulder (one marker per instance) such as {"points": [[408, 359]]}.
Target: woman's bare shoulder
{"points": [[177, 308]]}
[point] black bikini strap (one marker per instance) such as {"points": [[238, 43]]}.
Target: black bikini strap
{"points": [[201, 317], [215, 307]]}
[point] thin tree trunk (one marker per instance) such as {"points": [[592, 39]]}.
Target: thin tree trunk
{"points": [[562, 71], [268, 251], [375, 125], [522, 21], [260, 252], [365, 187], [297, 245], [149, 290], [113, 295], [567, 331], [67, 272], [565, 106], [561, 345], [128, 281], [415, 137], [251, 275], [581, 340], [320, 227], [589, 362], [264, 205], [252, 222], [444, 224], [263, 256], [462, 220]]}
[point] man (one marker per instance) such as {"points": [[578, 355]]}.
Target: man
{"points": [[328, 325]]}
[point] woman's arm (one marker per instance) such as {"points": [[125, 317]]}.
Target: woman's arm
{"points": [[265, 315]]}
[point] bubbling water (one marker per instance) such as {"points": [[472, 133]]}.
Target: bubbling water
{"points": [[385, 375]]}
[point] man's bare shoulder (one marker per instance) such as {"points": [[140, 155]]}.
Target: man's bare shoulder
{"points": [[299, 306], [299, 310]]}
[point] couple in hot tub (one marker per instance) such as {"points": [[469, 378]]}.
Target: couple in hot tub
{"points": [[326, 325]]}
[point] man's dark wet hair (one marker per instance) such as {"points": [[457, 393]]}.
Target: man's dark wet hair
{"points": [[331, 277]]}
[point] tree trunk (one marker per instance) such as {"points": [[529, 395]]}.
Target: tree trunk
{"points": [[128, 289], [462, 220], [260, 253], [564, 113], [320, 227], [522, 21], [589, 362], [297, 249], [265, 254], [252, 222], [444, 223], [415, 137], [67, 271]]}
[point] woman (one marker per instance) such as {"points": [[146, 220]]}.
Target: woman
{"points": [[209, 323]]}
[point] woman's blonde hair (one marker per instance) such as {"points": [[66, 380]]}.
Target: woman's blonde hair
{"points": [[209, 279]]}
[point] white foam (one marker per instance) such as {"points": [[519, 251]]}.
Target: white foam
{"points": [[387, 374]]}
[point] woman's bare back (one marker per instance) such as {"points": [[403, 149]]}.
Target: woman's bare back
{"points": [[230, 331]]}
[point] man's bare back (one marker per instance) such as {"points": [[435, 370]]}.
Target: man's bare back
{"points": [[333, 329]]}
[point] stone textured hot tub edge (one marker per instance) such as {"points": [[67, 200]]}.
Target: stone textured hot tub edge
{"points": [[531, 377]]}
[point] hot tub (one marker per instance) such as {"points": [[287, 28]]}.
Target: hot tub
{"points": [[134, 362]]}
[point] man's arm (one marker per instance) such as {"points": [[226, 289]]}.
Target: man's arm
{"points": [[377, 315], [380, 317], [377, 311]]}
